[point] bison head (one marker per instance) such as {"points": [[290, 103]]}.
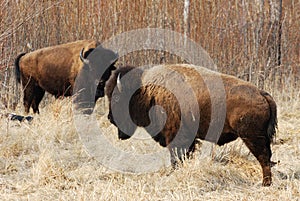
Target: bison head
{"points": [[120, 92], [98, 63]]}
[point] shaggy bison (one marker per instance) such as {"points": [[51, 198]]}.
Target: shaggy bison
{"points": [[54, 69], [248, 113]]}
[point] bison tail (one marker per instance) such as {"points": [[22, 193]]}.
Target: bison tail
{"points": [[17, 67], [272, 126]]}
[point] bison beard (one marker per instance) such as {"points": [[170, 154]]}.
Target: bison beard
{"points": [[250, 112]]}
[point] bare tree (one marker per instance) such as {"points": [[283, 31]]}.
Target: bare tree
{"points": [[274, 38], [186, 20]]}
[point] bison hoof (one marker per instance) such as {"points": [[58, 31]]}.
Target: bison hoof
{"points": [[274, 163], [267, 181]]}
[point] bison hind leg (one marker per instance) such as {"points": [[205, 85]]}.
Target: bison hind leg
{"points": [[260, 148], [38, 96], [28, 86]]}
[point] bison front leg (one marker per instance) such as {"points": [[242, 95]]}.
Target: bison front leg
{"points": [[178, 154], [260, 148], [181, 147]]}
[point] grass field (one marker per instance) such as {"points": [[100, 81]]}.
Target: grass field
{"points": [[45, 160]]}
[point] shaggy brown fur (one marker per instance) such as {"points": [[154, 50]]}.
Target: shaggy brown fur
{"points": [[52, 69], [250, 112]]}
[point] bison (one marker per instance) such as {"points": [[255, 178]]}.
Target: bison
{"points": [[54, 69], [159, 102]]}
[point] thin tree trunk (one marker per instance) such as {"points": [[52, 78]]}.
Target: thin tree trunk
{"points": [[274, 38], [186, 23], [258, 36]]}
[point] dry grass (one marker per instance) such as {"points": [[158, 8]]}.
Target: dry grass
{"points": [[45, 160]]}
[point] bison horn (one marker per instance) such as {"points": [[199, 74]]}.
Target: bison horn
{"points": [[86, 61], [119, 83]]}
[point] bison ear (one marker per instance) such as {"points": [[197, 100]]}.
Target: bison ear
{"points": [[88, 52]]}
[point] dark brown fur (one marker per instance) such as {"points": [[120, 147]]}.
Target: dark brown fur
{"points": [[52, 69], [250, 112]]}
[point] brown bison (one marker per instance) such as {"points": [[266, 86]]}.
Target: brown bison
{"points": [[54, 69], [175, 115]]}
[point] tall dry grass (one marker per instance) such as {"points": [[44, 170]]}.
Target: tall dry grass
{"points": [[45, 160]]}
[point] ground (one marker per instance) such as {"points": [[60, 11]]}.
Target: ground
{"points": [[46, 160]]}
